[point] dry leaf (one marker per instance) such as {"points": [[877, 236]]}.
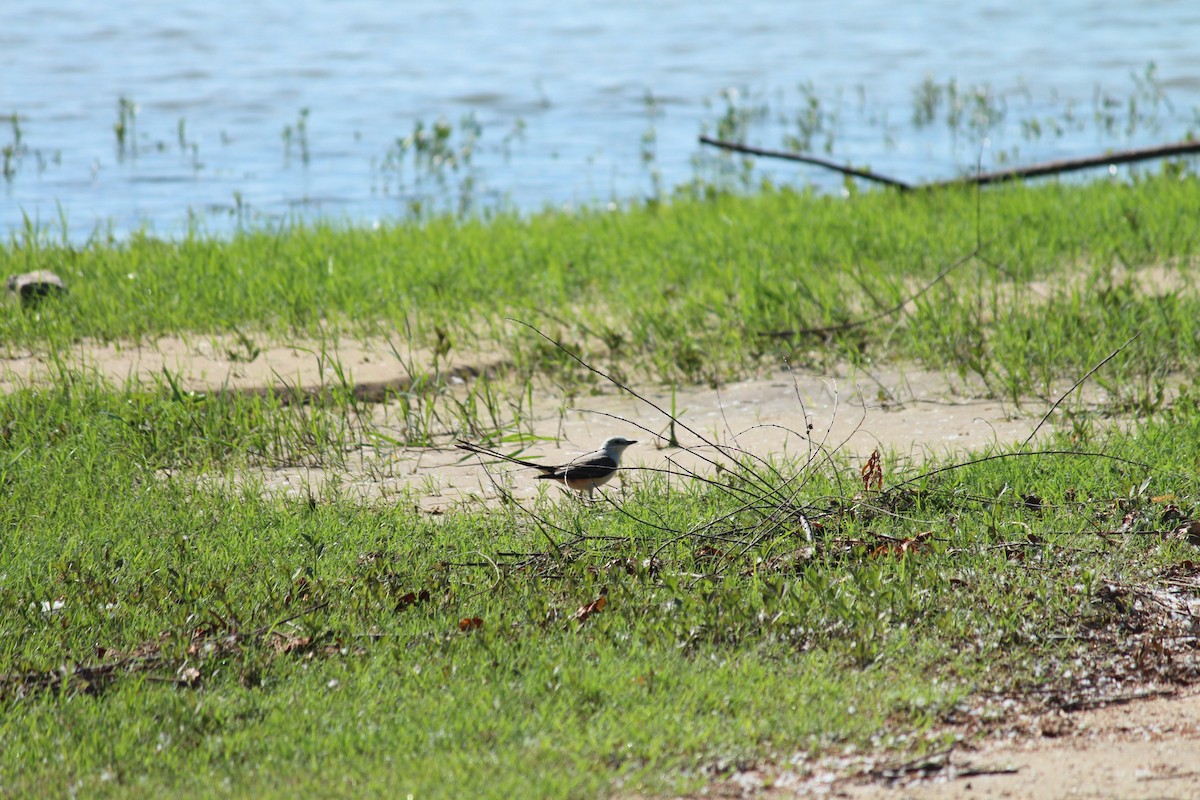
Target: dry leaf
{"points": [[291, 644], [872, 472], [911, 545], [591, 608]]}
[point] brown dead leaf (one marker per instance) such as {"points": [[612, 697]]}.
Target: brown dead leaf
{"points": [[291, 644], [410, 598], [470, 623], [872, 473], [300, 592], [593, 607], [902, 547], [628, 565]]}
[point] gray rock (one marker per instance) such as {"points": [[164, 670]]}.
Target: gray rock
{"points": [[33, 287]]}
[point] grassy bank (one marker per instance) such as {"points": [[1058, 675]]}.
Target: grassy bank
{"points": [[169, 628], [694, 290]]}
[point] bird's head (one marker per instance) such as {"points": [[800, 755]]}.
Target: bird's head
{"points": [[615, 445]]}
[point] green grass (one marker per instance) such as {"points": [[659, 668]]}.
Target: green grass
{"points": [[687, 291], [268, 646], [170, 628]]}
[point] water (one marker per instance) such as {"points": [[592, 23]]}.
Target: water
{"points": [[559, 92]]}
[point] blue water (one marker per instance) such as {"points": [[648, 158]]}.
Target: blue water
{"points": [[558, 91]]}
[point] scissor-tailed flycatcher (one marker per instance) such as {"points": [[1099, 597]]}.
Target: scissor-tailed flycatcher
{"points": [[583, 474]]}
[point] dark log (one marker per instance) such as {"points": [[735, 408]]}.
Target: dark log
{"points": [[982, 178], [1070, 165]]}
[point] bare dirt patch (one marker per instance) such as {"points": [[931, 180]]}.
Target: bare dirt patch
{"points": [[1146, 749], [916, 413], [764, 417], [239, 364]]}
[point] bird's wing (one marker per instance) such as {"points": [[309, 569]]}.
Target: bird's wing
{"points": [[589, 467]]}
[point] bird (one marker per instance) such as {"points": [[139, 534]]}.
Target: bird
{"points": [[582, 474]]}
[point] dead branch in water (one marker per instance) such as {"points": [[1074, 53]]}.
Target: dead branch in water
{"points": [[820, 162], [1070, 165], [982, 178]]}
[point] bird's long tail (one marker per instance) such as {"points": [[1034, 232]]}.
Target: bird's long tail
{"points": [[483, 451]]}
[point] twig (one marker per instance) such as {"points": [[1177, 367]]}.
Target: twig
{"points": [[887, 312], [820, 162], [560, 346], [1078, 383], [624, 387], [973, 772], [538, 521], [923, 765], [1080, 703], [997, 456]]}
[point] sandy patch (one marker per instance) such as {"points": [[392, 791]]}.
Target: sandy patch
{"points": [[228, 362], [1134, 751], [914, 413], [1142, 750]]}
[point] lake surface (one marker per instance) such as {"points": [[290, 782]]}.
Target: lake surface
{"points": [[259, 113]]}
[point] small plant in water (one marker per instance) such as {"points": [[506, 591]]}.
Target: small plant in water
{"points": [[812, 121], [125, 127], [515, 134], [649, 144], [974, 111], [296, 136], [742, 111], [433, 151], [186, 147], [240, 210], [12, 152]]}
